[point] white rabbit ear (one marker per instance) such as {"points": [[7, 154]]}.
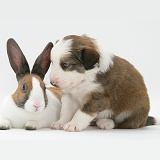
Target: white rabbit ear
{"points": [[17, 59], [42, 62]]}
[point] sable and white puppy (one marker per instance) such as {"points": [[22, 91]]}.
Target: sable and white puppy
{"points": [[97, 85]]}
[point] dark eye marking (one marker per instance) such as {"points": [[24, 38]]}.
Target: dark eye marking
{"points": [[24, 88]]}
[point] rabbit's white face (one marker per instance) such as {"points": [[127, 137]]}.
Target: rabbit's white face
{"points": [[36, 99], [30, 94]]}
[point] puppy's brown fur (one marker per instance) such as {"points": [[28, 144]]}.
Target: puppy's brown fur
{"points": [[123, 90]]}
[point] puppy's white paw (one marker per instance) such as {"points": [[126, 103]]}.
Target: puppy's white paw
{"points": [[31, 125], [73, 127], [57, 125], [105, 124], [5, 124]]}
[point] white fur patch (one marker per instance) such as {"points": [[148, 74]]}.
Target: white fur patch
{"points": [[57, 74], [60, 48], [82, 85], [80, 121], [105, 124], [36, 97], [106, 59], [122, 116], [69, 108]]}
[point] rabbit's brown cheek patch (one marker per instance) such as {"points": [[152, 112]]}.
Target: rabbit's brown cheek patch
{"points": [[56, 91], [19, 96], [20, 99]]}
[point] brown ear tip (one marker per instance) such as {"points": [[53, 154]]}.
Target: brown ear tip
{"points": [[10, 41], [50, 45]]}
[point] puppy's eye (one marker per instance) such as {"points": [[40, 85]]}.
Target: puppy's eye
{"points": [[24, 88], [44, 88], [64, 65]]}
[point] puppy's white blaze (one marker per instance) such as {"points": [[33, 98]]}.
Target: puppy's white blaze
{"points": [[36, 97], [60, 48]]}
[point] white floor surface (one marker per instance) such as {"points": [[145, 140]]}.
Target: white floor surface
{"points": [[92, 143]]}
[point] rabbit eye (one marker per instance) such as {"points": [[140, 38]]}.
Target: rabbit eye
{"points": [[24, 88]]}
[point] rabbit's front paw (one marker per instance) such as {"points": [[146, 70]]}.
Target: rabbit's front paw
{"points": [[5, 124], [31, 125]]}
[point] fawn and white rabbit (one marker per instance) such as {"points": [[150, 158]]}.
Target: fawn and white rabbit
{"points": [[32, 106]]}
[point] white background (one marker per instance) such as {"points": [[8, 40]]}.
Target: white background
{"points": [[127, 28]]}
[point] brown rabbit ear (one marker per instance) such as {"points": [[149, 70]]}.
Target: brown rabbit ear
{"points": [[17, 59], [42, 62]]}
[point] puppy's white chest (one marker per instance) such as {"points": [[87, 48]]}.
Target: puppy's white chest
{"points": [[84, 89]]}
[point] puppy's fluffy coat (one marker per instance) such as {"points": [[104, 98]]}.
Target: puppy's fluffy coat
{"points": [[97, 86]]}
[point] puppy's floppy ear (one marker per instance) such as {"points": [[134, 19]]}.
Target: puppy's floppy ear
{"points": [[43, 61], [89, 58], [17, 59]]}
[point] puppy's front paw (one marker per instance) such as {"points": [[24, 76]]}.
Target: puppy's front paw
{"points": [[4, 124], [72, 127], [31, 125], [105, 124], [57, 125]]}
